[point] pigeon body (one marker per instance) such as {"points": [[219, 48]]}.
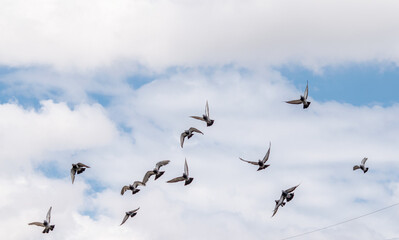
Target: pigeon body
{"points": [[286, 196], [129, 214], [45, 223], [205, 117], [77, 168], [155, 171], [188, 133], [361, 166], [261, 163], [303, 99], [185, 176]]}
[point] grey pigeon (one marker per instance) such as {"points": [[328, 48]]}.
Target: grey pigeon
{"points": [[185, 176], [286, 196], [133, 187], [155, 171], [45, 223], [261, 163], [129, 214], [205, 117], [188, 133], [361, 166], [303, 99], [77, 168]]}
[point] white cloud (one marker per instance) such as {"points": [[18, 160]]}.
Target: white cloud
{"points": [[160, 34]]}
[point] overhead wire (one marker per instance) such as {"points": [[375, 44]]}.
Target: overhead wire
{"points": [[339, 223]]}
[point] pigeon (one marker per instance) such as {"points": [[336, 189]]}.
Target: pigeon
{"points": [[261, 163], [185, 176], [129, 214], [133, 187], [361, 166], [155, 171], [45, 223], [303, 100], [77, 168], [205, 117], [188, 133], [286, 196]]}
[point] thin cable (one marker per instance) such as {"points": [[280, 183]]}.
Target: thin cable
{"points": [[336, 224]]}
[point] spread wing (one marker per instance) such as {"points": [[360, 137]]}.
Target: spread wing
{"points": [[147, 176], [82, 165], [196, 117], [207, 109], [305, 94], [48, 216], [193, 129], [254, 163], [162, 163], [275, 209], [291, 189], [267, 154], [178, 179], [185, 167], [364, 160], [133, 211], [182, 136], [124, 189], [73, 172], [355, 167], [138, 183], [124, 219], [37, 224], [294, 101]]}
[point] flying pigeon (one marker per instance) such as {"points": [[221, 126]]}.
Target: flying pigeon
{"points": [[261, 163], [45, 223], [185, 176], [133, 187], [188, 133], [303, 100], [155, 171], [205, 117], [361, 166], [286, 196], [130, 214], [77, 168]]}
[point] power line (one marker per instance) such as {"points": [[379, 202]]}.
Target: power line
{"points": [[336, 224]]}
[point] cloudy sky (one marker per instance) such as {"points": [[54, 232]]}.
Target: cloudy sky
{"points": [[112, 84]]}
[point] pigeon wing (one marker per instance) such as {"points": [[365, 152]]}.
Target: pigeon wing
{"points": [[182, 136], [73, 172], [48, 216], [193, 129], [254, 163], [37, 224], [124, 189], [162, 163], [133, 211], [82, 165], [196, 117], [267, 154], [305, 94], [185, 167], [294, 101], [355, 167], [138, 183], [207, 109], [147, 176], [177, 179], [124, 219], [291, 189], [364, 160], [275, 209]]}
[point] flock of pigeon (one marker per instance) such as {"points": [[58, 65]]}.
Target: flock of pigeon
{"points": [[286, 195]]}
